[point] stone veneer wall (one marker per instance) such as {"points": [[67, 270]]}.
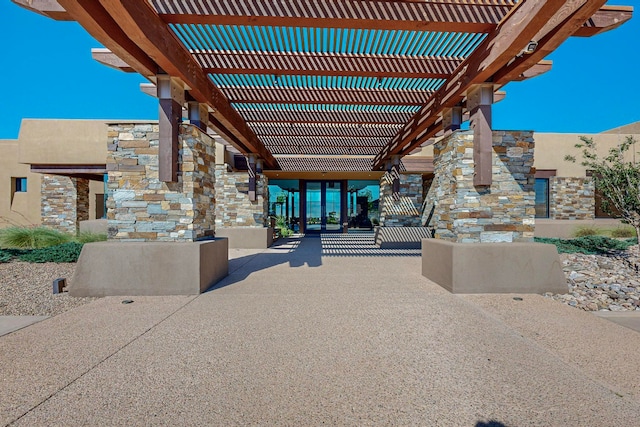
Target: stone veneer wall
{"points": [[140, 207], [64, 202], [403, 209], [234, 209], [503, 212], [571, 198]]}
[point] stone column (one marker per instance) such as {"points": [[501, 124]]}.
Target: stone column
{"points": [[141, 207], [65, 202], [501, 212], [235, 207], [400, 209]]}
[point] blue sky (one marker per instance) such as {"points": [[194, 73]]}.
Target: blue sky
{"points": [[47, 72]]}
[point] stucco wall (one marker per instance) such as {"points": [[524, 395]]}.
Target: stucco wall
{"points": [[551, 149], [66, 142], [17, 208]]}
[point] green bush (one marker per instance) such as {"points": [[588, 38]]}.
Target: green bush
{"points": [[5, 256], [586, 230], [622, 232], [88, 237], [32, 238], [590, 245], [66, 252]]}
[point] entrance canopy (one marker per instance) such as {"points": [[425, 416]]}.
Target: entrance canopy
{"points": [[331, 85]]}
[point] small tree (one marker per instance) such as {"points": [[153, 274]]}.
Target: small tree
{"points": [[618, 180]]}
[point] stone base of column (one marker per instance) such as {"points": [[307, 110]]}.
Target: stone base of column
{"points": [[471, 268], [149, 268], [247, 237]]}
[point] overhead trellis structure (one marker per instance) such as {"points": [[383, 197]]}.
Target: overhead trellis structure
{"points": [[370, 80]]}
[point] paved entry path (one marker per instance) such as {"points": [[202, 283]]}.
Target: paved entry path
{"points": [[322, 331]]}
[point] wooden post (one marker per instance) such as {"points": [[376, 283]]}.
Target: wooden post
{"points": [[451, 120], [171, 95], [198, 114], [395, 173], [479, 101], [252, 177]]}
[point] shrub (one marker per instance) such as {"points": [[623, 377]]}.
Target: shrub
{"points": [[5, 256], [590, 245], [32, 238], [586, 230], [66, 252], [622, 232], [88, 237]]}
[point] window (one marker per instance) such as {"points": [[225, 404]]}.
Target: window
{"points": [[542, 197], [20, 185]]}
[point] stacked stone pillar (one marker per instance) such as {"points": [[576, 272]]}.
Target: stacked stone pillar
{"points": [[65, 202], [141, 207], [501, 212], [235, 207], [400, 208]]}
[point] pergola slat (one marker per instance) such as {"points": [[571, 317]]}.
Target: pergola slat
{"points": [[325, 64], [317, 95], [477, 17]]}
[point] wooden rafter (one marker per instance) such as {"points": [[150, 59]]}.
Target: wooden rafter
{"points": [[92, 16], [446, 15], [291, 116], [554, 35], [303, 130], [325, 64], [320, 95], [526, 21]]}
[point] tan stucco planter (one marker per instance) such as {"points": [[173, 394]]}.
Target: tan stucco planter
{"points": [[150, 268]]}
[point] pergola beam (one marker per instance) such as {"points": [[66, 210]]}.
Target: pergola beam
{"points": [[556, 33], [605, 19], [149, 32], [527, 20], [95, 19]]}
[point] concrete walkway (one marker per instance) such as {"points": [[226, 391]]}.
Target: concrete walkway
{"points": [[322, 331]]}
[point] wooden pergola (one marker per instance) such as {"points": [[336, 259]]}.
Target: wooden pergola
{"points": [[340, 84]]}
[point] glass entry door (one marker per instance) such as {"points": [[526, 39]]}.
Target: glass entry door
{"points": [[323, 206]]}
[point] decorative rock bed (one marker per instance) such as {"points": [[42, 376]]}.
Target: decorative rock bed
{"points": [[608, 282]]}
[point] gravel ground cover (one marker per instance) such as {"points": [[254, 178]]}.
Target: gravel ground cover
{"points": [[26, 289], [608, 282]]}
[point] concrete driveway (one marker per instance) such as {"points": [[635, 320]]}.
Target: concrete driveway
{"points": [[322, 331]]}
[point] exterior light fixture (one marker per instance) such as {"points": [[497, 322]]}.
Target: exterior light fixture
{"points": [[531, 47]]}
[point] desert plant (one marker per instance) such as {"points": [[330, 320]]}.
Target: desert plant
{"points": [[590, 245], [66, 252], [623, 232], [88, 237], [617, 179], [32, 237], [586, 230], [5, 256]]}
